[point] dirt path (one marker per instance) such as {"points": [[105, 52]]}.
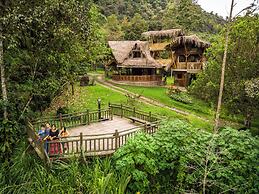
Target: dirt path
{"points": [[101, 81]]}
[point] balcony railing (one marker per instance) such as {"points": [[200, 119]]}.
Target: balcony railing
{"points": [[189, 65], [137, 78]]}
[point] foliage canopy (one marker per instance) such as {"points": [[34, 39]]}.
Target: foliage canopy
{"points": [[178, 157]]}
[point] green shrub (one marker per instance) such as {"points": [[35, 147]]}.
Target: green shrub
{"points": [[181, 97], [62, 110], [178, 157]]}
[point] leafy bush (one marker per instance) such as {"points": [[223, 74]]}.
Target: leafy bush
{"points": [[9, 136], [180, 159], [177, 159], [181, 97], [62, 110]]}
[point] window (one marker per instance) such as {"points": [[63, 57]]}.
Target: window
{"points": [[179, 76], [136, 54], [194, 58], [181, 58]]}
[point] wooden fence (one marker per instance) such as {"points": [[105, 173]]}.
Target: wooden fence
{"points": [[90, 145], [127, 112], [74, 119], [95, 145]]}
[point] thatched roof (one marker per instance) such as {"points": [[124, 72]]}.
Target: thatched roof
{"points": [[191, 40], [164, 33], [164, 62], [158, 46], [121, 52]]}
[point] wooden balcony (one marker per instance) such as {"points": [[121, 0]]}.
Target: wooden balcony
{"points": [[137, 78], [190, 67]]}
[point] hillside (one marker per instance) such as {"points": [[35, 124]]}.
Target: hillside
{"points": [[125, 16]]}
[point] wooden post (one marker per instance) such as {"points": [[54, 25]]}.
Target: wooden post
{"points": [[81, 142], [88, 118], [81, 118], [116, 135], [121, 111], [145, 127], [99, 109], [150, 116], [60, 120], [111, 113]]}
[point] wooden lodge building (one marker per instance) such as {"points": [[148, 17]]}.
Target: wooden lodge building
{"points": [[187, 59], [145, 62], [158, 40], [133, 64]]}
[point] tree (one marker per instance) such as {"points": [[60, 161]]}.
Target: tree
{"points": [[176, 158], [3, 7], [113, 28], [46, 45], [2, 70], [241, 69], [169, 17], [96, 44], [223, 69], [137, 26]]}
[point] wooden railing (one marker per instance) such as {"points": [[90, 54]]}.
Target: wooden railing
{"points": [[127, 112], [36, 143], [189, 65], [92, 145], [89, 145], [137, 78], [74, 119]]}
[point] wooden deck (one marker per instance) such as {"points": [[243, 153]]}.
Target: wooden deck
{"points": [[104, 127], [100, 138], [92, 133]]}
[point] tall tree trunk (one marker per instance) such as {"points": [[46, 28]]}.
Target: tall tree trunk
{"points": [[73, 88], [223, 70], [248, 120], [2, 69]]}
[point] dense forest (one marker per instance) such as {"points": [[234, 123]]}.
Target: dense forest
{"points": [[128, 19], [45, 46]]}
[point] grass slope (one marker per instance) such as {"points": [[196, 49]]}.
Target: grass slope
{"points": [[198, 107], [86, 98], [159, 93]]}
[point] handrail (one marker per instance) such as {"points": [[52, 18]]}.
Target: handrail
{"points": [[64, 115], [36, 143], [188, 65], [130, 108]]}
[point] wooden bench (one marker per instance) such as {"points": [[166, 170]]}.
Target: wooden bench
{"points": [[134, 119]]}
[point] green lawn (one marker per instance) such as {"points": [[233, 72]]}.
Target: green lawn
{"points": [[97, 71], [198, 107], [86, 98]]}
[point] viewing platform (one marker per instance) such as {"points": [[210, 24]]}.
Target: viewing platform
{"points": [[92, 133]]}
